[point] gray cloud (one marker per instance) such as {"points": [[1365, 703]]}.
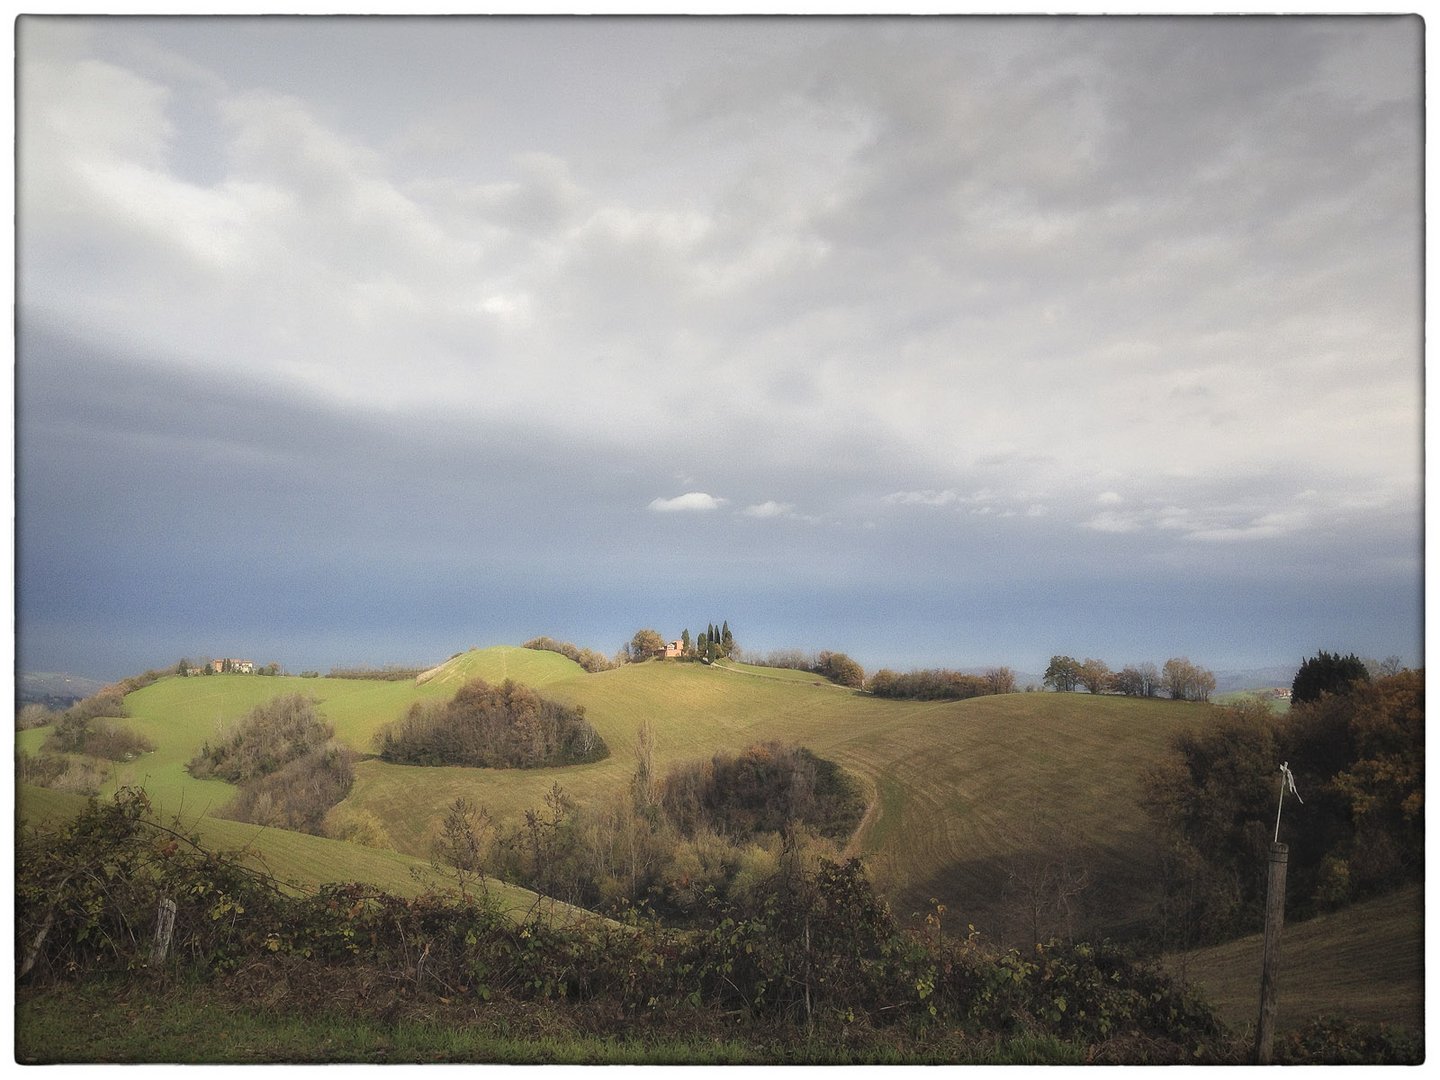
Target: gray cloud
{"points": [[938, 282]]}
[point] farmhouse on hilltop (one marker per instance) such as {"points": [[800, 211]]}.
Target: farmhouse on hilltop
{"points": [[673, 649], [239, 667]]}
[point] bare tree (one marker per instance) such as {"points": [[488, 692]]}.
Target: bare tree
{"points": [[464, 843]]}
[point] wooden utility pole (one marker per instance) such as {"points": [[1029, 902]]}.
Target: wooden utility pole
{"points": [[1270, 970]]}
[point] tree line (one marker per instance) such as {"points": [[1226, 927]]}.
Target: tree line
{"points": [[588, 659], [1178, 679]]}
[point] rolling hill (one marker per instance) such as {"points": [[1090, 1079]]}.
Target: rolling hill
{"points": [[979, 804], [967, 799]]}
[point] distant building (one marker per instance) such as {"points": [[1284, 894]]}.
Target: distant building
{"points": [[238, 667], [675, 648]]}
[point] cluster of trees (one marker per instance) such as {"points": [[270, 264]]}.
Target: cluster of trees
{"points": [[1357, 752], [1179, 678], [282, 757], [708, 832], [588, 659], [1327, 673], [188, 667], [86, 728], [388, 673], [767, 787], [274, 734], [940, 684], [835, 666], [713, 643], [503, 727]]}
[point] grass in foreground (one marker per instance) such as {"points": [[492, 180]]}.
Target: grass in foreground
{"points": [[117, 1022], [1365, 962]]}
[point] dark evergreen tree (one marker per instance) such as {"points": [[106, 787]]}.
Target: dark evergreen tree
{"points": [[727, 641], [685, 642], [1327, 673]]}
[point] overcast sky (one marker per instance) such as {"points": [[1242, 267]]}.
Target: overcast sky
{"points": [[936, 341]]}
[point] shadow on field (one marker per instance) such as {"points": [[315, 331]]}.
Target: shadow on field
{"points": [[1035, 894]]}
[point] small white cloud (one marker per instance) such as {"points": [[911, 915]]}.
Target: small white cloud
{"points": [[1230, 535], [922, 498], [1036, 510], [691, 500], [1113, 523], [1109, 498], [768, 509]]}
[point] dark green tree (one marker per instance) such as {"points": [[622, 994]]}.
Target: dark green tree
{"points": [[727, 640], [1327, 673], [685, 641]]}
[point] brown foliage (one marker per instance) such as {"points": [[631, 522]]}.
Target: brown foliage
{"points": [[273, 735], [767, 787], [485, 726]]}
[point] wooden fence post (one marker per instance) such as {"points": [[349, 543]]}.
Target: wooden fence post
{"points": [[1270, 969], [164, 927]]}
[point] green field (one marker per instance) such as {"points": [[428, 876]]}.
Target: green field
{"points": [[962, 793]]}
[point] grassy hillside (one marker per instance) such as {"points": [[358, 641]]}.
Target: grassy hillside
{"points": [[1366, 962], [967, 798], [296, 858]]}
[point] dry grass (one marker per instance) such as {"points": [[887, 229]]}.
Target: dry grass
{"points": [[1366, 962]]}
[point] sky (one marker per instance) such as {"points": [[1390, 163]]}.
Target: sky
{"points": [[936, 341]]}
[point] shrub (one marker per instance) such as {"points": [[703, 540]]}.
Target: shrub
{"points": [[273, 735], [298, 795], [108, 702], [930, 684], [767, 787], [80, 733], [1334, 1041], [79, 777], [389, 673], [116, 742], [32, 715], [588, 659], [484, 726], [839, 668]]}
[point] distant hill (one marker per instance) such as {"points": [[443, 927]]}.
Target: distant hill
{"points": [[1255, 678], [53, 690]]}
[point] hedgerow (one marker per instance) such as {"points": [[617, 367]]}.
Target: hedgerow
{"points": [[812, 947]]}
